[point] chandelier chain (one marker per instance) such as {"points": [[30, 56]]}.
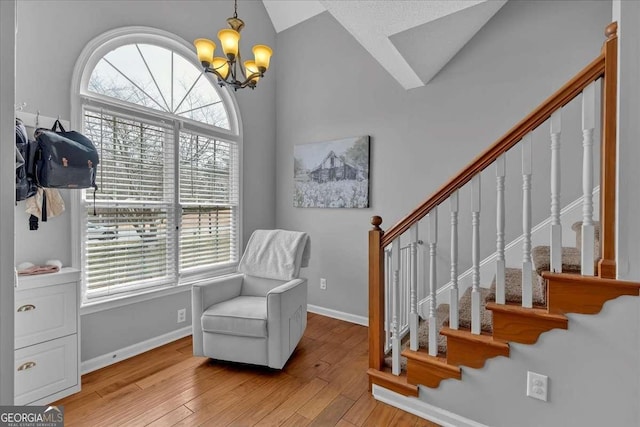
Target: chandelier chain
{"points": [[235, 8]]}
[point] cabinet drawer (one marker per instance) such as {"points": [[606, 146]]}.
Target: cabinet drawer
{"points": [[45, 313], [44, 369]]}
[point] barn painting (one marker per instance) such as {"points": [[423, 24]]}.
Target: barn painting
{"points": [[332, 174]]}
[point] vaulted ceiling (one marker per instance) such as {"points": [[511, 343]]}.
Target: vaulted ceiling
{"points": [[412, 39]]}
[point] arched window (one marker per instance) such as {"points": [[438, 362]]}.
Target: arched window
{"points": [[167, 208]]}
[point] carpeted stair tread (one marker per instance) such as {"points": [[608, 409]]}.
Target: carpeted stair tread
{"points": [[513, 288], [464, 311], [542, 261], [442, 313]]}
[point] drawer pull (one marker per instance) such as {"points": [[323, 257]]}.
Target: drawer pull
{"points": [[26, 307], [26, 365]]}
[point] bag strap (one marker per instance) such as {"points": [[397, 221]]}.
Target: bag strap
{"points": [[57, 125]]}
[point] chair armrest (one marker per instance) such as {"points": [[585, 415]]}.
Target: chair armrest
{"points": [[286, 319], [204, 295]]}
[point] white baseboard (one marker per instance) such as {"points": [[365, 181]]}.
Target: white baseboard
{"points": [[133, 350], [422, 409], [340, 315]]}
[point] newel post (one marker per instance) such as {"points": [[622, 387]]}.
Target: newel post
{"points": [[376, 295], [607, 263]]}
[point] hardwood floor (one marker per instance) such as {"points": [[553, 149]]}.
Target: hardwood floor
{"points": [[323, 384]]}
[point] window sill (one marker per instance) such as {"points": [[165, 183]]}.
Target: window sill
{"points": [[116, 301]]}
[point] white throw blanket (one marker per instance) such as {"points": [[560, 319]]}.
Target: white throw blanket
{"points": [[276, 254]]}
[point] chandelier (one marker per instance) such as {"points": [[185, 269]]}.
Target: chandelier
{"points": [[227, 70]]}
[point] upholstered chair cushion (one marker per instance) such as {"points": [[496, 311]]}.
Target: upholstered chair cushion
{"points": [[242, 316]]}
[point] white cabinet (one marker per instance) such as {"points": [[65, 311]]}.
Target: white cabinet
{"points": [[47, 346]]}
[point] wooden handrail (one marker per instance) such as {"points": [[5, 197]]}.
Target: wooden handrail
{"points": [[559, 99]]}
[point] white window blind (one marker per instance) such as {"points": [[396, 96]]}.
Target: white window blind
{"points": [[209, 200], [130, 240]]}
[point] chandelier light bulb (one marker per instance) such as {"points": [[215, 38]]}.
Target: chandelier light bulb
{"points": [[221, 66], [229, 40], [205, 49], [251, 68], [262, 54]]}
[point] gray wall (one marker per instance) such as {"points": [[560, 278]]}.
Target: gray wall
{"points": [[329, 87], [51, 37], [627, 14], [7, 196], [593, 376]]}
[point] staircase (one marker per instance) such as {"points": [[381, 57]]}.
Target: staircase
{"points": [[523, 301]]}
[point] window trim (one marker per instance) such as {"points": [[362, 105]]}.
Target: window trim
{"points": [[80, 96]]}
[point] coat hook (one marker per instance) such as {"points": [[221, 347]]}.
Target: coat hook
{"points": [[37, 118]]}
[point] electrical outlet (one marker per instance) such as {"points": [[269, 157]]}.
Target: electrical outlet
{"points": [[323, 283], [537, 386], [182, 315]]}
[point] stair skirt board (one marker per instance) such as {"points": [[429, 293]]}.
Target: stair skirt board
{"points": [[429, 371], [422, 409], [594, 292], [523, 325], [467, 349], [513, 251]]}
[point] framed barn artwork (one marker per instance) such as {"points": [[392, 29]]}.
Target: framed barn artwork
{"points": [[332, 174]]}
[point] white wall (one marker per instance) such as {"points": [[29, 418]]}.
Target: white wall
{"points": [[7, 196], [52, 35], [329, 87]]}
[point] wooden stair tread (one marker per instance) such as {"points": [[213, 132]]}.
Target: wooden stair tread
{"points": [[397, 383], [484, 337], [535, 312], [594, 280], [422, 356]]}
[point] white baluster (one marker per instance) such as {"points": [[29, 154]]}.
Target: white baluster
{"points": [[453, 293], [413, 316], [527, 289], [388, 272], [404, 270], [395, 332], [433, 240], [588, 231], [555, 261], [475, 254], [500, 213]]}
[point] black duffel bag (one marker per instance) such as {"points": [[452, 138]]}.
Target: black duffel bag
{"points": [[25, 185], [64, 159]]}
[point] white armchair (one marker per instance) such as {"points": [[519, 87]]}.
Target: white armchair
{"points": [[259, 314]]}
